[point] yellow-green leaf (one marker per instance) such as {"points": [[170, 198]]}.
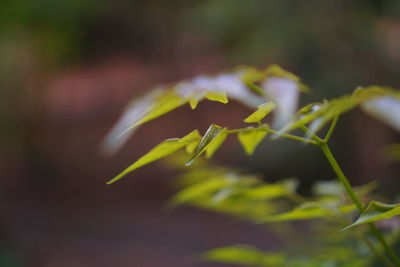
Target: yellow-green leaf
{"points": [[277, 71], [193, 139], [335, 107], [193, 103], [245, 255], [200, 190], [262, 111], [266, 191], [163, 104], [376, 211], [216, 143], [310, 210], [250, 139], [211, 133], [219, 96], [163, 149]]}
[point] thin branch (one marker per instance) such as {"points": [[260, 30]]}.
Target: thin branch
{"points": [[331, 128], [289, 136]]}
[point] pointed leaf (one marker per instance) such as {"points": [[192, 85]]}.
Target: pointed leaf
{"points": [[376, 211], [165, 103], [193, 103], [219, 96], [245, 255], [262, 111], [132, 113], [266, 191], [277, 71], [216, 143], [309, 210], [329, 110], [250, 139], [200, 190], [163, 149], [211, 133], [193, 139]]}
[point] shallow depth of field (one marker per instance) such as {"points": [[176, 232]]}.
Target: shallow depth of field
{"points": [[68, 68]]}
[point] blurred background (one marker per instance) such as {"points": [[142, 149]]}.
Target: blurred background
{"points": [[69, 67]]}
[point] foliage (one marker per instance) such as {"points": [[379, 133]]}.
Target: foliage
{"points": [[249, 197]]}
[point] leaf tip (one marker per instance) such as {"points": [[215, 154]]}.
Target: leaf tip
{"points": [[189, 162]]}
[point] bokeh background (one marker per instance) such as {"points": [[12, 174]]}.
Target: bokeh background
{"points": [[68, 68]]}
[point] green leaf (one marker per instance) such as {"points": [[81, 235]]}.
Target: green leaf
{"points": [[163, 149], [323, 113], [262, 111], [249, 139], [228, 192], [219, 96], [194, 137], [252, 75], [277, 71], [212, 132], [193, 102], [310, 210], [376, 211], [216, 143], [200, 189], [267, 191], [244, 255], [163, 104]]}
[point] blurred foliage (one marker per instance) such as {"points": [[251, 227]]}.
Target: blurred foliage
{"points": [[55, 27], [249, 197]]}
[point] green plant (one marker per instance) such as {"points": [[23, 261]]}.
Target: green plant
{"points": [[274, 90]]}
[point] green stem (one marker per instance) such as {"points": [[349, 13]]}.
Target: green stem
{"points": [[323, 145], [265, 129], [342, 178], [311, 134], [377, 253], [331, 128], [345, 182]]}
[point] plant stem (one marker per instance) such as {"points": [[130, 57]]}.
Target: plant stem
{"points": [[342, 178], [377, 252], [345, 182], [323, 145], [266, 129], [331, 128]]}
